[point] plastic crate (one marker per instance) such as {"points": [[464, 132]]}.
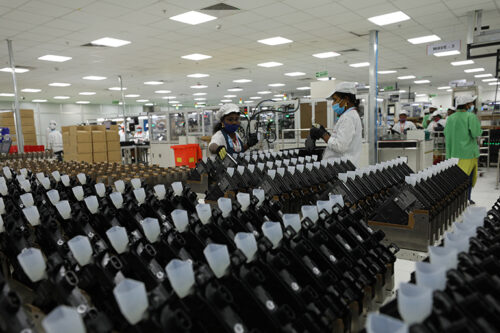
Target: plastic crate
{"points": [[187, 154]]}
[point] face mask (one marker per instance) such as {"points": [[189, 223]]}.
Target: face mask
{"points": [[471, 109], [338, 109], [231, 128]]}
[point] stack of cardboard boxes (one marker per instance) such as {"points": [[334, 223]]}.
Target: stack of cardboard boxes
{"points": [[91, 144], [27, 125]]}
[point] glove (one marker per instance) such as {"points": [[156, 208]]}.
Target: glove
{"points": [[310, 144], [221, 152], [317, 131], [252, 140]]}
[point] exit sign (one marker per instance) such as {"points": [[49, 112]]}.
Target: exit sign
{"points": [[322, 74], [389, 88]]}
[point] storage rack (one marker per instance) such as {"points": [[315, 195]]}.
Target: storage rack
{"points": [[484, 147]]}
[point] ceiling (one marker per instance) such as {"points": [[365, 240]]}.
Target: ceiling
{"points": [[59, 27]]}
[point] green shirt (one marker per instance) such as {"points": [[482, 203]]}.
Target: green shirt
{"points": [[425, 121], [461, 132]]}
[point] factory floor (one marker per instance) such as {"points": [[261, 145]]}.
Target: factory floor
{"points": [[484, 194]]}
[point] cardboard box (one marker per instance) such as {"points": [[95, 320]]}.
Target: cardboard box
{"points": [[98, 136], [100, 157], [99, 147], [97, 127], [84, 148], [85, 158], [83, 136], [112, 135], [26, 113], [113, 128], [114, 156], [6, 115], [28, 129], [30, 139], [27, 122], [70, 157], [7, 122], [113, 146]]}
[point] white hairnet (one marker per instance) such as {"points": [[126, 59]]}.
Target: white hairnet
{"points": [[403, 112], [452, 108], [345, 87], [461, 100], [52, 122], [227, 109], [433, 107], [436, 113]]}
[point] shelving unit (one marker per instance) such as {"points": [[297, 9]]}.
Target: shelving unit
{"points": [[439, 149], [484, 147]]}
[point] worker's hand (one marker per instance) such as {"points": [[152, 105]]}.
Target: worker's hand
{"points": [[222, 152], [317, 132], [252, 140]]}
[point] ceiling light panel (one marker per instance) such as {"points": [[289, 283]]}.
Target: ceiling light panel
{"points": [[193, 18], [31, 90], [39, 100], [389, 18], [462, 63], [242, 81], [59, 84], [226, 100], [444, 88], [132, 95], [17, 70], [424, 39], [162, 92], [234, 89], [446, 53], [153, 83], [406, 77], [94, 78], [169, 97], [196, 57], [295, 74], [325, 55], [360, 64], [255, 97], [421, 81], [199, 94], [117, 88], [483, 75], [111, 42], [326, 79], [387, 72], [264, 92], [198, 75], [61, 97], [474, 70], [199, 86], [304, 88], [270, 64], [87, 93], [273, 41], [200, 99], [489, 80], [142, 100], [276, 85], [82, 102], [229, 96], [54, 58]]}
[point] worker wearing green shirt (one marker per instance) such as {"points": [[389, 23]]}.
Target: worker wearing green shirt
{"points": [[427, 115], [461, 132]]}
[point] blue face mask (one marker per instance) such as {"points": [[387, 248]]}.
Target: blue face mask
{"points": [[471, 109], [338, 109], [231, 128]]}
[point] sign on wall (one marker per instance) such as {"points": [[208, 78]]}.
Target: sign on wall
{"points": [[444, 47]]}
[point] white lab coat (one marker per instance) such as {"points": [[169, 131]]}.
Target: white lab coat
{"points": [[122, 135], [433, 124], [345, 141], [55, 141], [408, 126]]}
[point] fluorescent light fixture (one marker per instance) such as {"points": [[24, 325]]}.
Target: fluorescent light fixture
{"points": [[424, 39], [226, 100], [193, 18], [132, 95], [483, 75], [200, 99], [162, 92], [277, 99], [87, 93], [248, 102], [153, 83], [199, 94], [304, 88], [270, 64], [494, 83], [444, 88], [276, 85], [17, 70], [199, 86], [7, 95], [446, 53], [295, 74], [387, 72], [380, 99], [421, 81], [275, 41], [149, 104], [31, 90], [234, 89], [94, 78], [264, 92], [59, 84], [360, 64], [169, 97], [55, 58], [256, 97], [421, 95], [242, 81], [474, 70], [229, 96], [326, 79], [449, 90], [117, 88], [61, 97], [402, 91], [111, 42], [196, 57], [279, 95], [462, 63], [489, 80], [82, 102], [326, 55], [390, 18], [142, 100], [174, 102], [39, 100], [406, 77], [198, 75]]}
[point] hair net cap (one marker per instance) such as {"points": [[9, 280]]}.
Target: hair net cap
{"points": [[461, 100], [452, 108], [433, 107], [403, 112], [52, 122], [346, 88], [436, 113], [227, 109]]}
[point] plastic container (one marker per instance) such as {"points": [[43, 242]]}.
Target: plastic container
{"points": [[92, 204], [65, 180], [324, 205], [273, 231], [310, 212], [414, 303], [187, 154], [78, 192], [444, 256], [204, 212], [64, 209], [32, 263], [337, 199], [57, 176], [260, 195], [27, 199], [431, 276], [45, 182], [180, 218], [467, 228], [140, 195], [4, 190], [63, 319], [181, 276], [25, 185], [120, 186], [160, 191], [132, 299], [217, 257], [380, 323], [151, 229], [81, 249], [459, 241], [82, 178], [32, 215], [177, 187], [100, 189], [117, 199], [292, 220], [136, 183], [245, 241], [225, 205], [243, 200], [7, 173], [118, 238]]}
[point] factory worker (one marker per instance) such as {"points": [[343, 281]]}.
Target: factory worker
{"points": [[345, 140], [121, 132], [451, 110], [437, 124], [54, 140], [461, 132], [225, 138], [403, 124], [139, 134], [427, 116]]}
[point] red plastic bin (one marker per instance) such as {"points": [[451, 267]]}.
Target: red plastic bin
{"points": [[187, 154]]}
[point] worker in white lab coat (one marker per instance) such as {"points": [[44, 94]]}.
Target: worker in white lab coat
{"points": [[345, 141], [139, 135], [121, 132], [438, 123], [403, 125], [54, 140]]}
